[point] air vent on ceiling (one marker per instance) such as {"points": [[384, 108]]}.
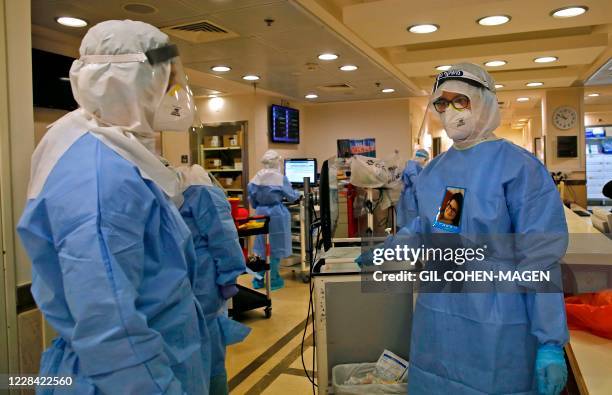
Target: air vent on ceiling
{"points": [[336, 88], [200, 32]]}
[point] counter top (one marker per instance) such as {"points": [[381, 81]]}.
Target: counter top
{"points": [[590, 358], [587, 245]]}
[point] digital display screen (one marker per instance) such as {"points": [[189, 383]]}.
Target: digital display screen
{"points": [[297, 169], [284, 125]]}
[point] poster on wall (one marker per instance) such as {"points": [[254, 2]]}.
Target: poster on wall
{"points": [[350, 147]]}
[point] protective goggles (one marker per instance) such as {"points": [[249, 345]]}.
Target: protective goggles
{"points": [[153, 56], [460, 102], [461, 75]]}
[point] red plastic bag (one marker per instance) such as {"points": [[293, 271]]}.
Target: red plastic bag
{"points": [[591, 312]]}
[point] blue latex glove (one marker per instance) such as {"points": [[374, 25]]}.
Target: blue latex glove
{"points": [[551, 371], [228, 291]]}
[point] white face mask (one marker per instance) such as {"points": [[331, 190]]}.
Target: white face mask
{"points": [[459, 125], [175, 112]]}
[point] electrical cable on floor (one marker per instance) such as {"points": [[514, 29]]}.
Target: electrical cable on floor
{"points": [[310, 312]]}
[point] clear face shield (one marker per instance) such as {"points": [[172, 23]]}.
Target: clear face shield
{"points": [[431, 127], [176, 110]]}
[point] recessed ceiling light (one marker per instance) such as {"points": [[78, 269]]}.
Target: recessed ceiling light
{"points": [[569, 12], [522, 99], [311, 96], [388, 90], [423, 29], [546, 59], [535, 83], [250, 77], [71, 22], [593, 94], [493, 20], [499, 86], [443, 67], [328, 56], [221, 69], [495, 63], [349, 67]]}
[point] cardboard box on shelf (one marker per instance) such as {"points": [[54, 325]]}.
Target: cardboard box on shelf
{"points": [[232, 140], [213, 141], [212, 163], [229, 181]]}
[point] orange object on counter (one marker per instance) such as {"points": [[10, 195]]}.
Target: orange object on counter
{"points": [[591, 312]]}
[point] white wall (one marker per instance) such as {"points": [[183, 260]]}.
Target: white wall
{"points": [[388, 121], [513, 135]]}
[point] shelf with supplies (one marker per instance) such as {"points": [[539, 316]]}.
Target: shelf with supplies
{"points": [[222, 170], [221, 149]]}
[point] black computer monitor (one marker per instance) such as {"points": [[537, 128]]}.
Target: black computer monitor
{"points": [[297, 169]]}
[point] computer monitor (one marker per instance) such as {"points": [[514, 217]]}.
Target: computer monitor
{"points": [[297, 169]]}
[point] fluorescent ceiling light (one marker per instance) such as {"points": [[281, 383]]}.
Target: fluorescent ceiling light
{"points": [[311, 96], [546, 59], [493, 20], [221, 69], [423, 29], [71, 22], [499, 86], [534, 83], [443, 67], [328, 56], [569, 12], [349, 67], [593, 94], [65, 79], [495, 63], [522, 99], [250, 77], [388, 90]]}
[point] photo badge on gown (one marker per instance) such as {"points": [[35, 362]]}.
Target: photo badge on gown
{"points": [[449, 214]]}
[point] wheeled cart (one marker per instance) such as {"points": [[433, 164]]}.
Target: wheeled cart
{"points": [[248, 299]]}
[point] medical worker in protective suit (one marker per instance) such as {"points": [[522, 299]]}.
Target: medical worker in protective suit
{"points": [[488, 342], [406, 206], [220, 261], [266, 193], [110, 252]]}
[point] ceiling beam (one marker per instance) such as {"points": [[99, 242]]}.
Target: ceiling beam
{"points": [[502, 49]]}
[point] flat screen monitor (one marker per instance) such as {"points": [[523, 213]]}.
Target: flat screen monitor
{"points": [[567, 146], [297, 169], [284, 125]]}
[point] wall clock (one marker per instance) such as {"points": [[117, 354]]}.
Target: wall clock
{"points": [[565, 117]]}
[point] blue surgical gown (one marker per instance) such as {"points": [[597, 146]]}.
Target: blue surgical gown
{"points": [[220, 261], [485, 343], [110, 256], [407, 206], [267, 200]]}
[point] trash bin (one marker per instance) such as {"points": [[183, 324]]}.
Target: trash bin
{"points": [[341, 373]]}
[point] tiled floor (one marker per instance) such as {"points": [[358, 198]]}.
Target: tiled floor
{"points": [[269, 360]]}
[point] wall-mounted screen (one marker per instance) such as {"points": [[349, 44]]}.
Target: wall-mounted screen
{"points": [[567, 146], [284, 125]]}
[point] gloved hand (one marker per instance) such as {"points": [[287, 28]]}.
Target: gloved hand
{"points": [[551, 370], [227, 291]]}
